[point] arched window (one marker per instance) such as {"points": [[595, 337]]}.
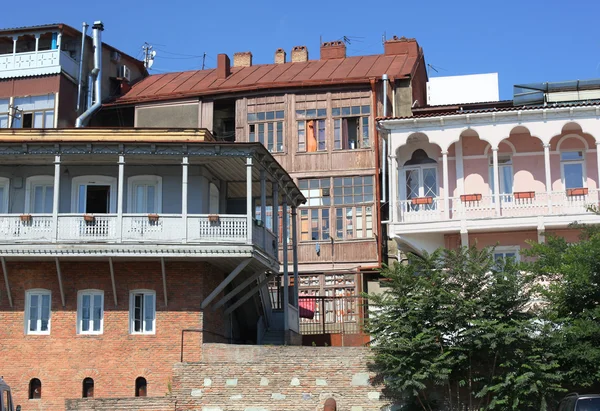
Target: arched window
{"points": [[88, 388], [140, 387], [420, 176], [35, 389], [214, 199]]}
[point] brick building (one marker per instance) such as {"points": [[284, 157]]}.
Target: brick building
{"points": [[113, 268]]}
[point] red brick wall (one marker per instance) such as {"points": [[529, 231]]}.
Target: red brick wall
{"points": [[114, 359]]}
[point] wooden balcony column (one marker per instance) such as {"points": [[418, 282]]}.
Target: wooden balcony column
{"points": [[548, 175], [496, 181], [56, 197], [446, 185], [275, 189], [286, 278], [295, 253], [249, 200], [120, 192], [263, 205], [184, 195]]}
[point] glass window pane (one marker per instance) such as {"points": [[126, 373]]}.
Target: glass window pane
{"points": [[97, 314], [149, 312], [325, 224], [279, 114], [251, 116], [345, 111], [48, 199], [571, 155], [365, 109], [270, 115], [151, 199], [322, 112], [33, 312], [573, 175], [311, 113], [81, 202], [355, 110], [335, 111], [137, 313], [38, 199], [45, 312], [38, 119], [260, 116], [314, 224]]}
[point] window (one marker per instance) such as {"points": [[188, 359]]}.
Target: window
{"points": [[39, 194], [142, 312], [269, 220], [33, 112], [505, 174], [351, 127], [94, 194], [141, 387], [4, 113], [35, 389], [88, 388], [573, 169], [503, 253], [37, 312], [90, 312], [311, 130], [419, 180], [266, 127], [214, 199], [145, 194], [4, 190]]}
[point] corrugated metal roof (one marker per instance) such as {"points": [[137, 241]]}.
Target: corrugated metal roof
{"points": [[349, 70]]}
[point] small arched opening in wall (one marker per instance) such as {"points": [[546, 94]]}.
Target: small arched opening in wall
{"points": [[330, 405], [141, 387], [88, 388], [35, 389]]}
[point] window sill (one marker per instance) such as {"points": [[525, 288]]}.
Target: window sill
{"points": [[37, 334]]}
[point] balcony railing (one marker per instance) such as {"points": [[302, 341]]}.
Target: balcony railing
{"points": [[34, 63], [331, 315], [511, 205], [132, 228]]}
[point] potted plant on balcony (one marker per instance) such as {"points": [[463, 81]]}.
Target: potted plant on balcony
{"points": [[89, 218], [153, 218], [213, 218], [470, 197], [582, 191], [422, 200], [25, 218], [521, 195]]}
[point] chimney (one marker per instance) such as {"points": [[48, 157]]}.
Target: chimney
{"points": [[299, 54], [401, 45], [242, 59], [333, 50], [223, 66], [279, 56]]}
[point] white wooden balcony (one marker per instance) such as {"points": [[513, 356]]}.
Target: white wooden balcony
{"points": [[37, 63]]}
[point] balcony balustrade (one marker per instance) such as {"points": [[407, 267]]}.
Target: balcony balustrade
{"points": [[35, 63]]}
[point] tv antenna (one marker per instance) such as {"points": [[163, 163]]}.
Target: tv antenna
{"points": [[149, 55]]}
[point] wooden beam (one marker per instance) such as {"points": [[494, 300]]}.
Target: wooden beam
{"points": [[164, 278], [112, 279], [248, 295], [60, 283], [226, 281], [10, 301], [237, 289]]}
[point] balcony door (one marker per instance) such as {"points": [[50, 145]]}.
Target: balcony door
{"points": [[419, 179], [94, 195]]}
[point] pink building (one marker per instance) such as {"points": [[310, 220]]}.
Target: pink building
{"points": [[492, 176]]}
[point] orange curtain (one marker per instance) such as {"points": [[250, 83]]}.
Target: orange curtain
{"points": [[311, 139]]}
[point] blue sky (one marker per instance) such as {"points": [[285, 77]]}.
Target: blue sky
{"points": [[523, 40]]}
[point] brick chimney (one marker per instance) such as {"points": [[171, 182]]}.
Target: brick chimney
{"points": [[299, 54], [242, 59], [401, 45], [279, 56], [223, 66], [333, 50]]}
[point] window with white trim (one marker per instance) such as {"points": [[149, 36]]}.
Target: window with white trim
{"points": [[4, 192], [33, 112], [142, 312], [505, 174], [37, 311], [266, 127], [144, 194], [94, 194], [90, 312], [503, 253], [39, 194], [572, 165]]}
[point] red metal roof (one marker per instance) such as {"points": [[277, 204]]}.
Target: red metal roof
{"points": [[349, 70]]}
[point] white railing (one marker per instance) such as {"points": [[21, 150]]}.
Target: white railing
{"points": [[217, 229], [293, 318], [143, 228], [75, 227], [511, 205], [15, 228], [37, 63]]}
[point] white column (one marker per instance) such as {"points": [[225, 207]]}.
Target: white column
{"points": [[295, 254], [446, 185], [598, 165], [548, 175], [120, 194], [263, 205], [275, 189], [15, 51], [56, 196], [496, 181], [249, 199], [394, 170], [184, 195], [286, 278], [37, 47], [460, 171], [58, 41]]}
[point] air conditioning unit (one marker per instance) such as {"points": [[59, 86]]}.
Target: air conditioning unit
{"points": [[124, 72], [115, 56]]}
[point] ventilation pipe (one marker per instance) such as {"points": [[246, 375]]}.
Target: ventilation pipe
{"points": [[384, 81], [96, 75], [81, 56]]}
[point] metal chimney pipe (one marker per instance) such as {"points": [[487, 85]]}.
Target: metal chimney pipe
{"points": [[81, 57], [97, 29], [384, 81]]}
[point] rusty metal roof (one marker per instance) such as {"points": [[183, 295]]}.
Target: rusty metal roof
{"points": [[332, 72]]}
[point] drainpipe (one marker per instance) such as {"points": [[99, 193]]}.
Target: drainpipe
{"points": [[81, 56], [384, 81], [97, 28]]}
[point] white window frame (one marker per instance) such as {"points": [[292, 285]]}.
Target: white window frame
{"points": [[94, 180], [150, 180], [132, 312], [504, 249], [420, 168], [211, 195], [30, 184], [40, 292], [91, 293], [5, 184], [583, 166], [500, 174]]}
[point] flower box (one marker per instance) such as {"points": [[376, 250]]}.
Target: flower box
{"points": [[153, 218], [577, 191], [89, 218], [524, 195], [213, 218], [470, 197], [422, 200], [25, 218]]}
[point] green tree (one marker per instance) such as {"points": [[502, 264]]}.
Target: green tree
{"points": [[454, 331]]}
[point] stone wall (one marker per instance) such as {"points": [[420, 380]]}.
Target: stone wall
{"points": [[122, 404]]}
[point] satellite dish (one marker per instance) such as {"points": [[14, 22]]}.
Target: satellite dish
{"points": [[150, 63], [153, 53]]}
